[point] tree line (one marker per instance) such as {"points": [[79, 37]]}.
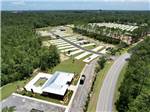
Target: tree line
{"points": [[135, 88], [39, 19]]}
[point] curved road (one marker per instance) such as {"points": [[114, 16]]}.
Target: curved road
{"points": [[105, 100]]}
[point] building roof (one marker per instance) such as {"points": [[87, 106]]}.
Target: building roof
{"points": [[57, 84], [31, 85]]}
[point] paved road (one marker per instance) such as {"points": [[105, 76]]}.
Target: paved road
{"points": [[105, 101], [83, 90], [78, 46]]}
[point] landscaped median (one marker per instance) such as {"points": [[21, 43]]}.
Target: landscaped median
{"points": [[97, 86]]}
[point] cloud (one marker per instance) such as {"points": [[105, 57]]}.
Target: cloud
{"points": [[18, 2], [15, 2]]}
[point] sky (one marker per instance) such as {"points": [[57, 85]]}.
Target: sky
{"points": [[75, 4]]}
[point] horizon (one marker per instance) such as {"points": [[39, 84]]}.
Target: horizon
{"points": [[25, 5]]}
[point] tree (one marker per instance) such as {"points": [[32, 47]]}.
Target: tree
{"points": [[101, 62], [22, 53], [140, 104], [135, 87]]}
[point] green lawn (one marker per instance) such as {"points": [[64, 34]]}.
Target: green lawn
{"points": [[69, 66], [97, 86], [8, 89], [73, 56], [46, 38], [90, 47], [40, 82], [120, 79]]}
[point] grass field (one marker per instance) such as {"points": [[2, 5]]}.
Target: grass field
{"points": [[10, 88], [90, 47], [69, 66], [120, 79], [96, 89]]}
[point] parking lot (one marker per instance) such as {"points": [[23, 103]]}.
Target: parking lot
{"points": [[75, 45], [23, 104]]}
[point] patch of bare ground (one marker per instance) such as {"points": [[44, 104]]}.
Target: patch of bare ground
{"points": [[63, 57]]}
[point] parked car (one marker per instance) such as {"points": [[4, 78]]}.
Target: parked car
{"points": [[62, 30], [82, 79], [109, 48], [127, 59], [57, 36], [36, 110]]}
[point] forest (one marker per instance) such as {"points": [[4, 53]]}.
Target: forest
{"points": [[22, 53], [135, 88], [45, 18], [21, 47]]}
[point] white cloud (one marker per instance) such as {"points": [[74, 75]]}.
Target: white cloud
{"points": [[19, 2]]}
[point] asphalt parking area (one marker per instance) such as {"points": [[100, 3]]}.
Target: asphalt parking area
{"points": [[26, 105]]}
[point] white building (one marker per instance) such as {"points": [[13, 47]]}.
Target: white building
{"points": [[56, 84]]}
